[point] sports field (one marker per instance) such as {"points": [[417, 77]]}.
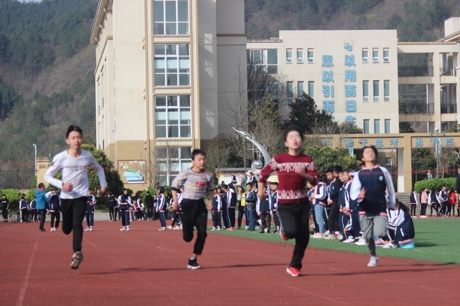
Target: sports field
{"points": [[145, 266]]}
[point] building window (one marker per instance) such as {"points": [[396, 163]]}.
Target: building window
{"points": [[172, 65], [386, 55], [366, 126], [169, 161], [102, 102], [386, 90], [289, 56], [310, 56], [263, 61], [376, 91], [172, 117], [289, 92], [388, 163], [170, 17], [299, 89], [365, 91], [375, 55], [376, 126], [311, 89], [387, 126], [300, 56], [365, 55]]}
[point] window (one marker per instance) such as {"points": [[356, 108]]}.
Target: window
{"points": [[311, 89], [376, 126], [169, 161], [375, 55], [376, 91], [299, 89], [300, 56], [366, 126], [289, 92], [172, 117], [388, 163], [170, 17], [172, 65], [365, 91], [386, 55], [365, 55], [265, 60], [386, 90], [310, 56], [387, 126], [289, 56], [102, 102]]}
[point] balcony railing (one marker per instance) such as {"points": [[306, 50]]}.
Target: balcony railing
{"points": [[407, 71], [421, 107], [450, 108], [446, 71]]}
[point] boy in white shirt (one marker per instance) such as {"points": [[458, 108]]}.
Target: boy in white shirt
{"points": [[73, 164]]}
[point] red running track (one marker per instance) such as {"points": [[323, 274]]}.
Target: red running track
{"points": [[145, 266]]}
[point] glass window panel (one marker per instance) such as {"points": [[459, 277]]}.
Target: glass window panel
{"points": [[173, 116], [171, 29], [172, 64], [162, 165], [160, 101], [182, 10], [171, 50], [184, 49], [185, 131], [185, 116], [160, 80], [172, 100], [289, 56], [160, 116], [170, 10], [186, 152], [272, 69], [158, 11], [300, 56], [386, 87], [184, 65], [256, 57], [186, 165], [299, 89], [183, 28], [387, 126], [160, 49], [160, 131], [311, 89], [185, 101], [172, 79], [184, 79], [272, 56], [376, 88], [377, 126], [173, 131], [289, 91], [159, 64], [366, 126], [365, 88]]}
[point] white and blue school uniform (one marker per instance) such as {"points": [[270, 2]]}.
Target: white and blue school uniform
{"points": [[321, 195], [33, 208], [123, 204], [216, 208], [162, 207], [343, 218], [23, 209], [353, 227], [90, 210]]}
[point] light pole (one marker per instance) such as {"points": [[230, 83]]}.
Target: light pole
{"points": [[35, 158], [437, 149]]}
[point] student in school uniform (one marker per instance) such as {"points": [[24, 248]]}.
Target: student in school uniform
{"points": [[33, 210], [138, 207], [443, 197], [124, 201], [54, 209], [231, 198], [344, 214], [424, 202], [90, 204], [294, 170], [23, 209], [42, 205], [433, 201], [176, 223], [369, 188], [319, 200], [194, 214], [111, 206], [226, 207], [413, 198], [73, 164], [451, 203], [5, 206], [274, 198], [216, 210], [162, 207], [264, 211], [241, 204], [251, 199], [353, 228]]}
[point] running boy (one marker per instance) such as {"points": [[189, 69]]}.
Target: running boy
{"points": [[369, 188], [196, 182], [294, 170], [73, 164]]}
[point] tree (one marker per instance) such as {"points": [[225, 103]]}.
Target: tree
{"points": [[114, 183], [221, 153], [327, 157], [422, 161]]}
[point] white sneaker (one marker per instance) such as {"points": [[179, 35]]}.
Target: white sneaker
{"points": [[87, 229], [176, 228], [180, 226], [373, 262], [169, 227], [327, 233], [122, 229], [422, 216], [361, 241], [246, 227], [213, 228], [390, 245], [91, 229], [339, 237], [218, 228], [415, 217], [317, 236], [330, 237], [162, 229], [127, 228], [349, 240]]}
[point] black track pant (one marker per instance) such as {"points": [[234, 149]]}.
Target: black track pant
{"points": [[194, 214], [334, 218], [73, 212]]}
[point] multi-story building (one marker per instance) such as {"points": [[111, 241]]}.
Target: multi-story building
{"points": [[164, 71]]}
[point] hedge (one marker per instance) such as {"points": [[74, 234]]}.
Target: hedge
{"points": [[436, 184]]}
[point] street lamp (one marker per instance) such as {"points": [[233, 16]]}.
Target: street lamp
{"points": [[35, 158], [437, 148]]}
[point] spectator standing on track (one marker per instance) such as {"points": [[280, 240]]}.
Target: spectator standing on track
{"points": [[335, 186], [73, 164], [451, 203], [433, 201], [227, 196], [124, 202], [90, 204], [111, 204], [216, 210], [23, 208], [196, 181], [413, 203], [33, 209], [369, 189], [149, 206], [294, 170], [251, 198], [5, 207], [424, 202], [162, 207], [274, 198], [176, 223], [54, 209], [42, 205], [264, 210], [241, 203], [443, 198]]}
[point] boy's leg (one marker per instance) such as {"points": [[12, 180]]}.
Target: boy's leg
{"points": [[298, 212], [367, 226], [79, 210], [42, 218], [127, 219], [231, 215], [58, 218], [269, 219], [52, 219], [200, 222], [67, 216], [87, 219], [123, 219], [91, 219], [187, 215]]}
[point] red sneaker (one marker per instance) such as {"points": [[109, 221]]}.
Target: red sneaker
{"points": [[294, 272], [282, 235]]}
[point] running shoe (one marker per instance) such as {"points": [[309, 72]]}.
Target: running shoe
{"points": [[294, 272], [77, 259], [192, 264], [373, 262]]}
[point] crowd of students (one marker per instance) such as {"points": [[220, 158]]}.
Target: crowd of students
{"points": [[442, 202]]}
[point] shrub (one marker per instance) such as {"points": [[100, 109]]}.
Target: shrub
{"points": [[436, 184]]}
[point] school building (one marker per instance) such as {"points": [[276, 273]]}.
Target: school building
{"points": [[164, 72]]}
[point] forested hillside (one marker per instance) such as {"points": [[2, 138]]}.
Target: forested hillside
{"points": [[46, 63]]}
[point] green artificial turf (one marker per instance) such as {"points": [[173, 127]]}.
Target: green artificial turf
{"points": [[436, 240]]}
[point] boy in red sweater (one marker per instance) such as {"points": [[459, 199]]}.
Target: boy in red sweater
{"points": [[294, 170]]}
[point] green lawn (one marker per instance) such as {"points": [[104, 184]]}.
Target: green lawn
{"points": [[436, 240]]}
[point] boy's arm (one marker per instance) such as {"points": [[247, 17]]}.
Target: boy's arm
{"points": [[391, 188], [51, 172], [355, 188], [100, 173], [175, 205]]}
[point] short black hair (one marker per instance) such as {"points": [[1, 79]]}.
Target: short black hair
{"points": [[198, 152], [161, 189], [41, 185], [329, 170], [73, 128], [224, 186], [148, 192], [292, 128], [373, 149], [337, 169]]}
